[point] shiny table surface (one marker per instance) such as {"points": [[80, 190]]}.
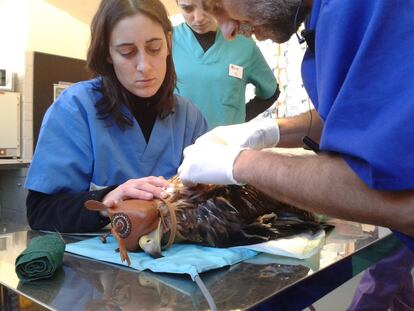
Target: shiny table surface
{"points": [[7, 164], [83, 284]]}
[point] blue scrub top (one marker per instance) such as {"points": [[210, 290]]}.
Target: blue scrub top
{"points": [[360, 79], [77, 149], [204, 77]]}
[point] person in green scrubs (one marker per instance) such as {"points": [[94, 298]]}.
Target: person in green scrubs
{"points": [[213, 73]]}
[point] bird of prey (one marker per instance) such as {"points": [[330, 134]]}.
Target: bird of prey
{"points": [[210, 215]]}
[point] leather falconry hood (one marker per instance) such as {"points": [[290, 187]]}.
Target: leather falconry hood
{"points": [[130, 220]]}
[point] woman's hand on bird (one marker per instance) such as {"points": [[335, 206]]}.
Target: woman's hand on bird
{"points": [[145, 188]]}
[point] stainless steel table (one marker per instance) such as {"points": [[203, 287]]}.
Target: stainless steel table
{"points": [[266, 282], [7, 164]]}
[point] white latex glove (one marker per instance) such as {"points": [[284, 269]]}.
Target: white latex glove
{"points": [[256, 134], [208, 164]]}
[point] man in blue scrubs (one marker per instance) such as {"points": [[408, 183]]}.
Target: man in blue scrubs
{"points": [[213, 72], [358, 73]]}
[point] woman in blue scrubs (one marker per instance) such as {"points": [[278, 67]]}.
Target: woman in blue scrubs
{"points": [[214, 72], [109, 138]]}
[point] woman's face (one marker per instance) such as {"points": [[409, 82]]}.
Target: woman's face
{"points": [[196, 17], [138, 50]]}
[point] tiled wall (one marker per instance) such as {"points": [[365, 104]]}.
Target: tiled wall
{"points": [[285, 60], [27, 108]]}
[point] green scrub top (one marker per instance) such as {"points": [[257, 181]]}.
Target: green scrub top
{"points": [[215, 80]]}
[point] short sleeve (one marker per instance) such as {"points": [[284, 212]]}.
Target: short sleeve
{"points": [[63, 157], [364, 80]]}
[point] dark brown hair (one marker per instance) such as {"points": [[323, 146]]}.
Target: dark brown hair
{"points": [[109, 13], [208, 5]]}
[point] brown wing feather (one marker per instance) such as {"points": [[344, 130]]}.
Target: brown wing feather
{"points": [[223, 216]]}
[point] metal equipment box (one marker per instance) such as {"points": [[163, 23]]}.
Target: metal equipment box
{"points": [[10, 125]]}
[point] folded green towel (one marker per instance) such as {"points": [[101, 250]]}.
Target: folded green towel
{"points": [[40, 259]]}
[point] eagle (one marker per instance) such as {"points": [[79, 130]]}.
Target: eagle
{"points": [[209, 215]]}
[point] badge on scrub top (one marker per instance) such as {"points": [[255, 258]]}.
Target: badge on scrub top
{"points": [[235, 71]]}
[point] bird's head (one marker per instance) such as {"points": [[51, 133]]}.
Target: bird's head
{"points": [[136, 222]]}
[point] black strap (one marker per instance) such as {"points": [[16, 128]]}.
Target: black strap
{"points": [[310, 144], [309, 36]]}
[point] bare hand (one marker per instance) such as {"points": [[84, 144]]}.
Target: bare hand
{"points": [[145, 188]]}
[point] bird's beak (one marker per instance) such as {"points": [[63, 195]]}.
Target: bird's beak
{"points": [[151, 242]]}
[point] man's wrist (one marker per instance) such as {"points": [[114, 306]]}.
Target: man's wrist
{"points": [[241, 164]]}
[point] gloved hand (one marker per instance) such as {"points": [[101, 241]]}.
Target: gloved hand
{"points": [[256, 134], [208, 164]]}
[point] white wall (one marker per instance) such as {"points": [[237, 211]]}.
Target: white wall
{"points": [[36, 25], [13, 22], [53, 31]]}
